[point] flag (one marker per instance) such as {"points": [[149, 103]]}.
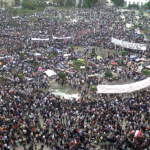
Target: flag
{"points": [[137, 133], [74, 141]]}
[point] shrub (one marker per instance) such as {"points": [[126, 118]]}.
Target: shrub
{"points": [[145, 72], [20, 76], [108, 74], [93, 88], [62, 75], [124, 53]]}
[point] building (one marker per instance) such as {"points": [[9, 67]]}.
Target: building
{"points": [[138, 2]]}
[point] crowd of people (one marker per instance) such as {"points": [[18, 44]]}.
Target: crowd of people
{"points": [[30, 114]]}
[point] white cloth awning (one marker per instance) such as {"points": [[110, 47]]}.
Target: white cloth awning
{"points": [[50, 73]]}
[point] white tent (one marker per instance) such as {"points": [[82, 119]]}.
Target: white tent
{"points": [[50, 73], [129, 25], [67, 55]]}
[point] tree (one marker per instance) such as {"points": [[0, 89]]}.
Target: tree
{"points": [[1, 77], [20, 76], [28, 5], [62, 75], [134, 6], [108, 74], [89, 3], [93, 53], [17, 2], [71, 46], [124, 53], [59, 2], [55, 53], [118, 2], [49, 56], [70, 3], [35, 63], [22, 54], [145, 72], [93, 88], [147, 5]]}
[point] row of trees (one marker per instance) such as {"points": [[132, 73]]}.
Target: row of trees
{"points": [[118, 2], [136, 6], [72, 3], [32, 5]]}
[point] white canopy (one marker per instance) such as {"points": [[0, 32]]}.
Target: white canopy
{"points": [[129, 25], [50, 73], [67, 55], [82, 67], [61, 38], [125, 88]]}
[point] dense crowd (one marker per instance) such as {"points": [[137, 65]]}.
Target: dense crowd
{"points": [[30, 114]]}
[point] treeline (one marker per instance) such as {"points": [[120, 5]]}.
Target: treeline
{"points": [[118, 2]]}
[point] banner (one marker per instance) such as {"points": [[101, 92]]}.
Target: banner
{"points": [[135, 46], [38, 39], [61, 38], [125, 88]]}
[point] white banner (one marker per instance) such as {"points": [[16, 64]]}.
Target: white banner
{"points": [[125, 88], [129, 45], [38, 39], [61, 38]]}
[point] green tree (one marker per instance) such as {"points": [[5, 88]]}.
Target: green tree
{"points": [[28, 5], [62, 75], [108, 74], [93, 88], [145, 72], [93, 53], [1, 77], [134, 6], [89, 3], [70, 3], [49, 56], [55, 53], [147, 5], [71, 46], [35, 63], [59, 2], [22, 54], [124, 53], [118, 2], [20, 76], [17, 2]]}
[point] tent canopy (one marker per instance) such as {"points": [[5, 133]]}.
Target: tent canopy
{"points": [[50, 73]]}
